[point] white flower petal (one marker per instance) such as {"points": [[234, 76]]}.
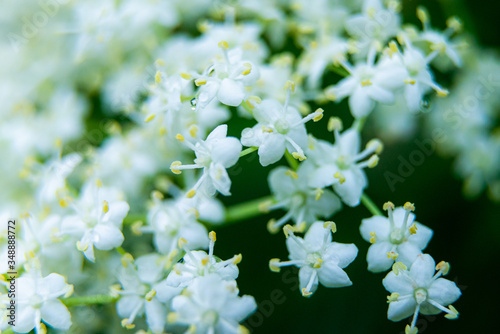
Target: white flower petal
{"points": [[231, 92], [107, 237], [156, 315], [402, 309], [377, 257], [226, 152], [398, 283], [332, 276], [238, 308], [272, 148], [444, 292], [56, 314], [379, 225], [341, 254], [422, 270]]}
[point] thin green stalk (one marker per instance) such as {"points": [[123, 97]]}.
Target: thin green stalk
{"points": [[248, 151], [89, 300], [132, 218], [291, 160], [359, 123], [246, 210], [372, 207]]}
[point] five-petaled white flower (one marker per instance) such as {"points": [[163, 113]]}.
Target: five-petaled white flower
{"points": [[38, 300], [398, 237], [419, 290], [340, 164], [304, 204], [226, 79], [318, 258], [212, 305], [97, 220], [279, 128], [214, 155]]}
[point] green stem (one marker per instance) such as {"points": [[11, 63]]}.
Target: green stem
{"points": [[372, 207], [339, 70], [248, 151], [359, 123], [246, 210], [89, 300], [291, 160], [132, 218]]}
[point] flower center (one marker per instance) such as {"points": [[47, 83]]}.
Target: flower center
{"points": [[397, 236], [282, 126], [420, 295], [210, 317], [298, 200], [36, 301]]}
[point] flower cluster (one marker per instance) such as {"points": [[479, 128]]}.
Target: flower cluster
{"points": [[124, 122]]}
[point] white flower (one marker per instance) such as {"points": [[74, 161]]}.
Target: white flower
{"points": [[226, 79], [199, 263], [37, 300], [398, 237], [171, 220], [341, 164], [97, 220], [212, 305], [319, 259], [279, 128], [214, 155], [368, 83], [419, 290], [144, 290], [305, 204]]}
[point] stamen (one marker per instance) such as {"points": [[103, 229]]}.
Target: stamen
{"points": [[306, 291], [340, 177]]}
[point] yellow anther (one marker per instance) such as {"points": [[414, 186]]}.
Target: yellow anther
{"points": [[292, 174], [194, 212], [271, 226], [149, 296], [70, 291], [157, 195], [330, 225], [376, 145], [248, 69], [393, 47], [158, 77], [212, 236], [126, 259], [442, 92], [413, 229], [98, 183], [330, 94], [193, 130], [182, 242], [299, 156], [317, 263], [444, 267], [288, 230], [340, 177], [422, 14], [452, 315], [373, 238], [318, 193], [290, 85], [186, 76], [274, 265], [409, 206], [392, 255], [136, 227], [243, 330], [334, 123], [223, 45], [396, 267], [237, 259], [63, 203], [149, 118], [200, 82], [172, 317], [300, 227], [393, 297], [81, 247], [114, 290], [306, 293], [192, 329], [410, 81], [409, 330], [254, 98], [371, 11], [319, 115], [366, 82], [105, 206], [174, 165], [159, 62], [42, 329], [58, 143], [373, 161], [454, 23], [204, 261], [388, 205], [179, 137], [266, 129], [163, 131]]}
